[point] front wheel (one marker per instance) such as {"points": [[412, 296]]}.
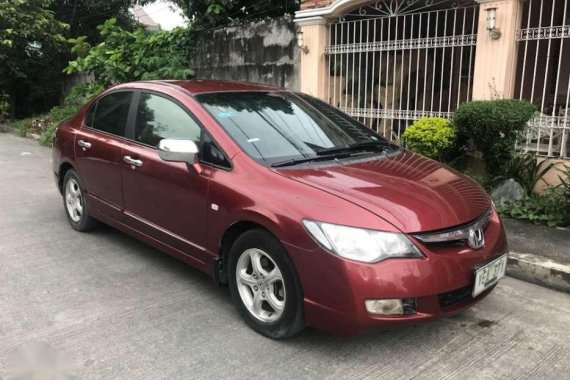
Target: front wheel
{"points": [[264, 285]]}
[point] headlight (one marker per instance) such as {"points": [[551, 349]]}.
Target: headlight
{"points": [[360, 244]]}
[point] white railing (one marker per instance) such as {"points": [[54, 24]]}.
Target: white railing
{"points": [[544, 76], [395, 61]]}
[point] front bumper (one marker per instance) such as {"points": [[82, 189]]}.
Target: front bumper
{"points": [[335, 289]]}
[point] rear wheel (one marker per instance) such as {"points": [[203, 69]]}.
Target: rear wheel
{"points": [[75, 204], [264, 285]]}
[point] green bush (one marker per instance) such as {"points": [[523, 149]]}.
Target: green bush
{"points": [[492, 127], [45, 125], [527, 171], [4, 107], [430, 136], [552, 209], [126, 56]]}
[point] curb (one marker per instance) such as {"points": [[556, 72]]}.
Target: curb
{"points": [[539, 270]]}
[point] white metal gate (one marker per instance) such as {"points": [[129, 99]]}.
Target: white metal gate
{"points": [[394, 61], [544, 75]]}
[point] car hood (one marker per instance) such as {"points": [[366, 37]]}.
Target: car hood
{"points": [[412, 192]]}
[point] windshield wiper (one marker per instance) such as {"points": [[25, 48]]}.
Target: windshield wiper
{"points": [[297, 161], [366, 145]]}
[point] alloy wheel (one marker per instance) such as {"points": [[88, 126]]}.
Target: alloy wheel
{"points": [[74, 200], [260, 285]]}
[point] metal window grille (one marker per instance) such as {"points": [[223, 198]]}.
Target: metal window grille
{"points": [[394, 61], [543, 76]]}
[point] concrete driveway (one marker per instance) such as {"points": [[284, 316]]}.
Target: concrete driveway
{"points": [[121, 310]]}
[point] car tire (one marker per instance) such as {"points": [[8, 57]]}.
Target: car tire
{"points": [[264, 285], [75, 204]]}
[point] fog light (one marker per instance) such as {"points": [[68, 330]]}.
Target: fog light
{"points": [[391, 307]]}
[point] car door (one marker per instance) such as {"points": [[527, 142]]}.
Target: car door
{"points": [[164, 200], [99, 152]]}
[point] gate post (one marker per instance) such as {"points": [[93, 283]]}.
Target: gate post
{"points": [[496, 58], [314, 68]]}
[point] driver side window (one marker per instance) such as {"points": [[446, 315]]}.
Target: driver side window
{"points": [[160, 118]]}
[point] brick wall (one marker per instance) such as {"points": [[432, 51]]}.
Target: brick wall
{"points": [[311, 4]]}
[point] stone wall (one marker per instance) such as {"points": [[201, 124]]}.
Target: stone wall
{"points": [[264, 52]]}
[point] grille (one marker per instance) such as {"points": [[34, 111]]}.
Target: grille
{"points": [[454, 297]]}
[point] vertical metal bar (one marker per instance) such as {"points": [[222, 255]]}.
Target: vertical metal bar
{"points": [[434, 62], [395, 61], [402, 68], [380, 77], [410, 64], [453, 34], [387, 73], [346, 68], [470, 81], [525, 50], [418, 64], [536, 55], [557, 85], [373, 76], [551, 127], [460, 86], [426, 63], [329, 58], [442, 63], [366, 54], [359, 105], [353, 63], [335, 67]]}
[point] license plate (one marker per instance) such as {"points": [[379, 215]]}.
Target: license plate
{"points": [[489, 275]]}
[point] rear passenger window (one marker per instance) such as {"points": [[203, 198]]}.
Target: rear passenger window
{"points": [[89, 115], [159, 118], [111, 113]]}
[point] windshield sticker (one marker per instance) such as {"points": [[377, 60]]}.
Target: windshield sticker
{"points": [[225, 114], [253, 140]]}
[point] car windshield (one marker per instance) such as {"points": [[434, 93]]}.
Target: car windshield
{"points": [[279, 127]]}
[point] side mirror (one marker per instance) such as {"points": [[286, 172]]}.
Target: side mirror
{"points": [[178, 150]]}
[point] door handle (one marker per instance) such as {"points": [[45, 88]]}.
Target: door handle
{"points": [[131, 161], [84, 144]]}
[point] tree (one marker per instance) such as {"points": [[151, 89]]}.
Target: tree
{"points": [[83, 16], [125, 55], [213, 13], [31, 40]]}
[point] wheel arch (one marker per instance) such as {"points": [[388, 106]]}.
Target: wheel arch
{"points": [[63, 169]]}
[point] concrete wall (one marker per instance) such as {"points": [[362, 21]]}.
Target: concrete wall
{"points": [[264, 52]]}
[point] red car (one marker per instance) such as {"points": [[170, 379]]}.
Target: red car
{"points": [[309, 217]]}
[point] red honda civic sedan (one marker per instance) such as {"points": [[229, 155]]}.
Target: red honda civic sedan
{"points": [[311, 218]]}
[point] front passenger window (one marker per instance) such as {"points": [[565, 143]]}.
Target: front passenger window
{"points": [[159, 118]]}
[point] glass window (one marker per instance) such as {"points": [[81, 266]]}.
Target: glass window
{"points": [[159, 118], [89, 115], [276, 126], [111, 113], [211, 154]]}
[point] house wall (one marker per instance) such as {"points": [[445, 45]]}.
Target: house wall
{"points": [[264, 52]]}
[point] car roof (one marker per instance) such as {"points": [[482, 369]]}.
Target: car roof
{"points": [[196, 86]]}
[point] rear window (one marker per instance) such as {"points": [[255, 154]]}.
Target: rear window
{"points": [[111, 113]]}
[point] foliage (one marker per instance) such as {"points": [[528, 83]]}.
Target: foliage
{"points": [[83, 16], [492, 126], [4, 107], [527, 170], [45, 125], [552, 209], [31, 40], [430, 136], [126, 56], [213, 13]]}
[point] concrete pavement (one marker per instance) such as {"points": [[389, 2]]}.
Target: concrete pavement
{"points": [[119, 309]]}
